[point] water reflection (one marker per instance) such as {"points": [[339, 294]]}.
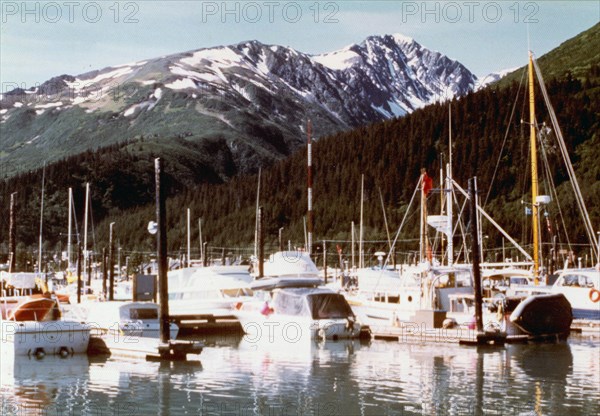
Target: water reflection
{"points": [[338, 378], [26, 392]]}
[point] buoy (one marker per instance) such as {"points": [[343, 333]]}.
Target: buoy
{"points": [[595, 295], [40, 353]]}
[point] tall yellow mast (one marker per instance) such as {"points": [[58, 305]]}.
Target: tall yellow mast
{"points": [[534, 174]]}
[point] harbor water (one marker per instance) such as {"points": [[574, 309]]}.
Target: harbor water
{"points": [[238, 377]]}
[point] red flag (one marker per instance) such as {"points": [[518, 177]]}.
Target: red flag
{"points": [[427, 184]]}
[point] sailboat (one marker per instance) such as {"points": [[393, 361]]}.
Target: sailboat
{"points": [[580, 287], [540, 315]]}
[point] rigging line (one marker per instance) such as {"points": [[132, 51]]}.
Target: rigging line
{"points": [[387, 229], [508, 126], [402, 223], [93, 229], [494, 223], [554, 192], [575, 185]]}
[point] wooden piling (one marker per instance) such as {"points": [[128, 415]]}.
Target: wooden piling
{"points": [[161, 248], [475, 253]]}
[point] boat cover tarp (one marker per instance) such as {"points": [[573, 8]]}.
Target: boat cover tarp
{"points": [[329, 306], [543, 315]]}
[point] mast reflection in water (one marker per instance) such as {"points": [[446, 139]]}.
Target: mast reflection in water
{"points": [[336, 378]]}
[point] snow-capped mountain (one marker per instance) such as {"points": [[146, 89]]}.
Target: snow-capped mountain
{"points": [[254, 98], [492, 77]]}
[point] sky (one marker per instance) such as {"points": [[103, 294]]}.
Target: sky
{"points": [[42, 39]]}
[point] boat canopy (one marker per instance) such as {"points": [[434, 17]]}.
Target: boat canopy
{"points": [[316, 303], [282, 282], [290, 263]]}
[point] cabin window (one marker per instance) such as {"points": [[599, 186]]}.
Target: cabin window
{"points": [[575, 280], [143, 313], [329, 306]]}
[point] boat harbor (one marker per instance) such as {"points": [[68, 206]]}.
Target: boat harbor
{"points": [[298, 209]]}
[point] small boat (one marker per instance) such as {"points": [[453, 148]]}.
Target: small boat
{"points": [[289, 309], [544, 315], [125, 319], [35, 328], [581, 287]]}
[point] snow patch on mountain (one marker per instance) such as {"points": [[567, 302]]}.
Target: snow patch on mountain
{"points": [[490, 78], [339, 60]]}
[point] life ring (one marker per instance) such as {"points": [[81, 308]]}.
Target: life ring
{"points": [[595, 295]]}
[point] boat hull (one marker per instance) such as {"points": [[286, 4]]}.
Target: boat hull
{"points": [[44, 338], [292, 329]]}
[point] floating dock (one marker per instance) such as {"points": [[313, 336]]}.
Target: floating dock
{"points": [[412, 333]]}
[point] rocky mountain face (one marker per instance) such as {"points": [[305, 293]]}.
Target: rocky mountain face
{"points": [[246, 103]]}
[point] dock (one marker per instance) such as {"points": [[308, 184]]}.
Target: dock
{"points": [[412, 332]]}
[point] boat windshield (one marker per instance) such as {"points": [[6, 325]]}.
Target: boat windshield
{"points": [[329, 306], [143, 313]]}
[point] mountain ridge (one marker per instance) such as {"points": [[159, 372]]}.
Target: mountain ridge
{"points": [[254, 97]]}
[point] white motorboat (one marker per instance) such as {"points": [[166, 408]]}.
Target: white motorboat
{"points": [[125, 319], [289, 309], [34, 328]]}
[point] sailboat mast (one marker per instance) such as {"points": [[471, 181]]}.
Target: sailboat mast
{"points": [[41, 220], [85, 226], [69, 237], [534, 174], [309, 180], [361, 258], [187, 263], [450, 195], [449, 198], [256, 212]]}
